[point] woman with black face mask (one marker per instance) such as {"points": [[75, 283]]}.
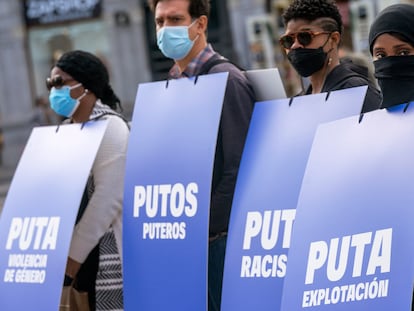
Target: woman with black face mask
{"points": [[312, 36], [391, 40]]}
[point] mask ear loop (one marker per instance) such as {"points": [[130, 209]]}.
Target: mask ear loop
{"points": [[79, 100], [83, 95], [195, 39], [75, 86]]}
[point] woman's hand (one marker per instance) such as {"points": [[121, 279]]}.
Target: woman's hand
{"points": [[72, 268]]}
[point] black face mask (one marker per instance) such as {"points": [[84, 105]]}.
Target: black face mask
{"points": [[395, 76], [307, 61]]}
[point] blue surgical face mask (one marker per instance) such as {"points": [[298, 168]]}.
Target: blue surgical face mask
{"points": [[174, 42], [61, 101]]}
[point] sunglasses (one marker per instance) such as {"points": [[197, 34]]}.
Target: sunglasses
{"points": [[304, 38], [56, 81]]}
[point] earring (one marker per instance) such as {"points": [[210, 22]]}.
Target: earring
{"points": [[329, 61]]}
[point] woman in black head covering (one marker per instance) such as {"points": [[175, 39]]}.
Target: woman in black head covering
{"points": [[80, 91], [391, 40]]}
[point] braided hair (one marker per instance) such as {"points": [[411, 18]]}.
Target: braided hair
{"points": [[89, 70]]}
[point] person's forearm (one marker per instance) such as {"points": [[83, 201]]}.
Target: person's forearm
{"points": [[72, 268]]}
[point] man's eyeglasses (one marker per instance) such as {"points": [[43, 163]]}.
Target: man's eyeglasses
{"points": [[304, 38], [56, 81]]}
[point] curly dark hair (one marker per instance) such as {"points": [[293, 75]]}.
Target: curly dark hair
{"points": [[311, 10], [89, 70], [196, 8]]}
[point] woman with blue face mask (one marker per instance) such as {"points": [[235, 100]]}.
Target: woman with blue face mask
{"points": [[391, 40], [60, 97], [80, 91]]}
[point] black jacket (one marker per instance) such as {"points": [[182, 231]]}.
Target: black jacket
{"points": [[348, 74], [237, 110]]}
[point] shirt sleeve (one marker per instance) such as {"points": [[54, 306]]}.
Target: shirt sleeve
{"points": [[105, 204]]}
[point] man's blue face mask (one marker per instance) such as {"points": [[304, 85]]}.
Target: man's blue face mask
{"points": [[174, 42]]}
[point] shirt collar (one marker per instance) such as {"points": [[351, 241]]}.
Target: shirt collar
{"points": [[195, 64]]}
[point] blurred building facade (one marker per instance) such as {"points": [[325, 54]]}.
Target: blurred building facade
{"points": [[34, 33]]}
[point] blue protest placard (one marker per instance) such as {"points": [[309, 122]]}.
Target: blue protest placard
{"points": [[39, 213], [270, 175], [167, 193], [352, 244]]}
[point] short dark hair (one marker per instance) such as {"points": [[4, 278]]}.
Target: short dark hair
{"points": [[195, 9], [311, 10]]}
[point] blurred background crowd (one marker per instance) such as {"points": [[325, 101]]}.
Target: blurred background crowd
{"points": [[34, 33]]}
